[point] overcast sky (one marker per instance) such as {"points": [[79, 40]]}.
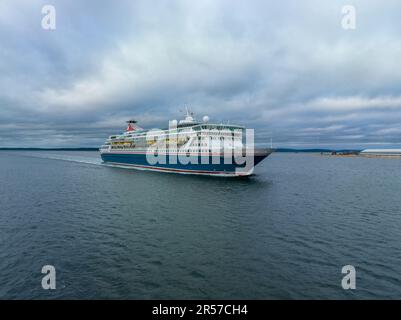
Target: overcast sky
{"points": [[285, 68]]}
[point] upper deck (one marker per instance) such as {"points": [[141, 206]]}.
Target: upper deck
{"points": [[187, 133]]}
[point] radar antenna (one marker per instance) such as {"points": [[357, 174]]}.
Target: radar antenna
{"points": [[187, 112]]}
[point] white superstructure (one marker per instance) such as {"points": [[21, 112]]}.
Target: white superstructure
{"points": [[187, 135]]}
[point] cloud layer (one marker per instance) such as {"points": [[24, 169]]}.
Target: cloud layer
{"points": [[287, 69]]}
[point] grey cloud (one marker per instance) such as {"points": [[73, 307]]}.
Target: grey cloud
{"points": [[286, 69]]}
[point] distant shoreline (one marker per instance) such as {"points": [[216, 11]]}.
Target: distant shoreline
{"points": [[390, 156], [97, 149], [49, 149]]}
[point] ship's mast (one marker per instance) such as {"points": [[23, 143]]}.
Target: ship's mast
{"points": [[188, 113], [188, 117]]}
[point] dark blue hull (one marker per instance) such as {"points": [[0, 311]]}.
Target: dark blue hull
{"points": [[207, 165]]}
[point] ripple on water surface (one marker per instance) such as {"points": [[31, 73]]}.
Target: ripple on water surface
{"points": [[117, 233]]}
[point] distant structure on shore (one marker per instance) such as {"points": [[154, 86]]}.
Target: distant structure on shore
{"points": [[381, 152], [344, 153]]}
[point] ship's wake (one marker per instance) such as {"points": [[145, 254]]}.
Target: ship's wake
{"points": [[93, 159]]}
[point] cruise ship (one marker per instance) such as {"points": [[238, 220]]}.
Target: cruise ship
{"points": [[188, 146]]}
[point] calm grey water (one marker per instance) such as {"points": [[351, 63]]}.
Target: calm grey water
{"points": [[116, 233]]}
